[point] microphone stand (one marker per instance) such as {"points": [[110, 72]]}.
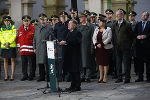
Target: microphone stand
{"points": [[47, 81], [59, 90], [57, 58]]}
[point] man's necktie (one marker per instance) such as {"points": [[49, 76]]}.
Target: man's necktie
{"points": [[143, 24], [119, 23], [26, 29]]}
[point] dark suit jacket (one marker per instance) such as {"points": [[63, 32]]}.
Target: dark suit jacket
{"points": [[142, 46], [122, 37], [72, 57], [61, 30]]}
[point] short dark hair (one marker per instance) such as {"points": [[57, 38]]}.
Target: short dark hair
{"points": [[42, 15], [26, 17]]}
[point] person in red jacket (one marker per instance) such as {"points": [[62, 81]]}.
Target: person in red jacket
{"points": [[25, 46]]}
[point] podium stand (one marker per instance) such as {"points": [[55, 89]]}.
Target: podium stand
{"points": [[51, 66]]}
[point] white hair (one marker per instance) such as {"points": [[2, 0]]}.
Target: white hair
{"points": [[119, 12]]}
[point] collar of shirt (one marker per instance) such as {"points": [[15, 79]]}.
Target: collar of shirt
{"points": [[120, 21], [144, 23], [132, 22], [71, 30], [84, 23], [26, 27], [109, 20]]}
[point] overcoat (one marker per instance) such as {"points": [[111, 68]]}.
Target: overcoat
{"points": [[122, 37], [86, 43], [72, 54], [42, 34], [142, 46]]}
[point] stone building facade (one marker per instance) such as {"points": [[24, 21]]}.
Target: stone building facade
{"points": [[18, 8]]}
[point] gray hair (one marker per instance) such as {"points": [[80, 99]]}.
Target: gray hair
{"points": [[119, 12], [146, 13], [74, 21]]}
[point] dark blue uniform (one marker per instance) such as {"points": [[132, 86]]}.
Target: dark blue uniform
{"points": [[61, 31]]}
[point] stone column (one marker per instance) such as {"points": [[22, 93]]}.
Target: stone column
{"points": [[15, 11], [109, 4], [95, 6], [18, 8], [54, 6], [27, 6], [86, 4], [105, 6]]}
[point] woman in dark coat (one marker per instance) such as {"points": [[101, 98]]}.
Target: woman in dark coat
{"points": [[72, 57]]}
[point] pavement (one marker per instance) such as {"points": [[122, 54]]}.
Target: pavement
{"points": [[27, 90]]}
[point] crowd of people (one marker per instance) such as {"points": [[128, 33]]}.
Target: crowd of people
{"points": [[89, 46]]}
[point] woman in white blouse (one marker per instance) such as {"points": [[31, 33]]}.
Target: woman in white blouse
{"points": [[102, 40]]}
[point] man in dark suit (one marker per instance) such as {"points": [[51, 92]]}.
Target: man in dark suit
{"points": [[142, 32], [74, 14], [132, 20], [112, 65], [122, 41], [60, 31], [72, 56]]}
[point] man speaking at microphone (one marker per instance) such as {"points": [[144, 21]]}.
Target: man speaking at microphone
{"points": [[72, 56], [43, 33]]}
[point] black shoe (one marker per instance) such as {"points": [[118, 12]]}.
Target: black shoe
{"points": [[139, 80], [75, 89], [24, 78], [100, 81], [88, 80], [47, 80], [148, 81], [30, 78], [6, 79], [33, 75], [12, 79], [41, 79], [68, 89], [104, 82], [127, 81], [118, 81], [82, 79], [114, 77]]}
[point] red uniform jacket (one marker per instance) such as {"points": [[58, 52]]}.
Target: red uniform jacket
{"points": [[25, 40]]}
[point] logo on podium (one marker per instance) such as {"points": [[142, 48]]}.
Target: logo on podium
{"points": [[51, 66]]}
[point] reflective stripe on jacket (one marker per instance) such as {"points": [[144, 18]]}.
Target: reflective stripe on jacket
{"points": [[8, 37], [25, 40]]}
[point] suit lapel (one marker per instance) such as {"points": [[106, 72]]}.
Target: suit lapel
{"points": [[104, 31], [117, 26], [122, 24], [147, 24], [42, 27], [140, 26]]}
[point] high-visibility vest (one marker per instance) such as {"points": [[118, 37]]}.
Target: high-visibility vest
{"points": [[8, 37]]}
